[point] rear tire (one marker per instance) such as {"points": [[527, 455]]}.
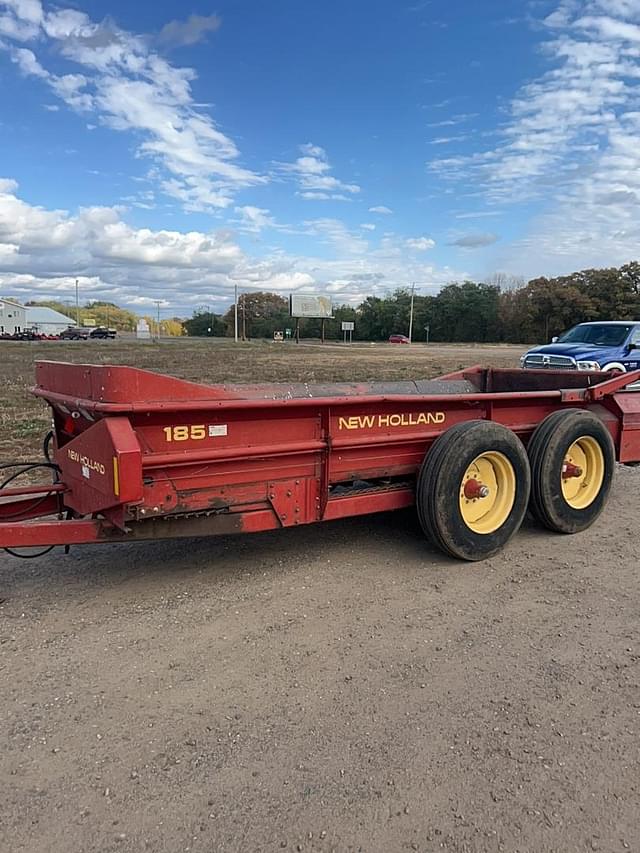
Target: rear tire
{"points": [[572, 440], [464, 462]]}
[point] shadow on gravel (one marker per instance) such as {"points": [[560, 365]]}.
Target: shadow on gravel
{"points": [[391, 535]]}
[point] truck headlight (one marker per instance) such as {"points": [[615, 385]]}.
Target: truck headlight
{"points": [[522, 360], [588, 365]]}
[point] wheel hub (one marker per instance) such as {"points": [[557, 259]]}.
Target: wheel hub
{"points": [[474, 489], [570, 470], [583, 472], [487, 492]]}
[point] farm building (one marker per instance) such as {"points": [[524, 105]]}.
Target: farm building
{"points": [[12, 316], [46, 321]]}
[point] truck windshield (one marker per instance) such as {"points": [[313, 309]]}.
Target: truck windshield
{"points": [[597, 334]]}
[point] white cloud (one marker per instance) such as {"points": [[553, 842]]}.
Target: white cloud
{"points": [[447, 140], [610, 28], [368, 226], [420, 244], [26, 60], [619, 8], [43, 251], [129, 88], [571, 142], [381, 209], [194, 29], [475, 241], [480, 214], [461, 118], [254, 218], [336, 233], [316, 196], [311, 171]]}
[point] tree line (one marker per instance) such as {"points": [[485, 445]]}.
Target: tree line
{"points": [[503, 309], [109, 314]]}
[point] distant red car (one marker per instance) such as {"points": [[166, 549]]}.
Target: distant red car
{"points": [[399, 339]]}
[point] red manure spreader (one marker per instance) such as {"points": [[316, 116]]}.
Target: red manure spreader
{"points": [[135, 455]]}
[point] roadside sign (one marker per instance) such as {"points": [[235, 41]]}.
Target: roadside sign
{"points": [[347, 328]]}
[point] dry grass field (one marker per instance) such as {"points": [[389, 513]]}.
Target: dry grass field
{"points": [[339, 687]]}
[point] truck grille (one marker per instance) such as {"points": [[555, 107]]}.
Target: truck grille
{"points": [[558, 362]]}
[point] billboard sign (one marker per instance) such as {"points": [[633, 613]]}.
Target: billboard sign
{"points": [[348, 326], [310, 305]]}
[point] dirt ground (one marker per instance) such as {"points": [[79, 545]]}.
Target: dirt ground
{"points": [[337, 687]]}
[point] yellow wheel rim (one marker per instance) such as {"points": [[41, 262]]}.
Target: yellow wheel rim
{"points": [[582, 472], [487, 492]]}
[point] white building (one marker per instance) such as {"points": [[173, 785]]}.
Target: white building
{"points": [[46, 321], [12, 316]]}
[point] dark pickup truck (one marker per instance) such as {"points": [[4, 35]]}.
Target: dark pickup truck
{"points": [[103, 332], [75, 333]]}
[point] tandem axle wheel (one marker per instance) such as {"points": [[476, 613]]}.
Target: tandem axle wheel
{"points": [[477, 480], [473, 489]]}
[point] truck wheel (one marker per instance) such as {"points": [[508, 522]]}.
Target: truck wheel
{"points": [[572, 462], [473, 489]]}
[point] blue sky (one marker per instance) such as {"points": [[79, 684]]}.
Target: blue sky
{"points": [[171, 151]]}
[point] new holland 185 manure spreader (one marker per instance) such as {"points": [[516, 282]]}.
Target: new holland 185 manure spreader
{"points": [[137, 455]]}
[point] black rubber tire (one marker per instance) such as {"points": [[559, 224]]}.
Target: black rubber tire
{"points": [[547, 451], [442, 472]]}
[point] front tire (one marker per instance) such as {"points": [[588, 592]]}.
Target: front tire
{"points": [[572, 463], [473, 489]]}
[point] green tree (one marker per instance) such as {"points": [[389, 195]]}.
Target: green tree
{"points": [[514, 317], [204, 323], [556, 304], [96, 313], [343, 313], [466, 312], [259, 315]]}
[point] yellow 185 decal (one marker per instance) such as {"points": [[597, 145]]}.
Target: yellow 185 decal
{"points": [[184, 433], [194, 432]]}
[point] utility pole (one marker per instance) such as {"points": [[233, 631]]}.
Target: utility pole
{"points": [[235, 312], [413, 290], [158, 304], [77, 306]]}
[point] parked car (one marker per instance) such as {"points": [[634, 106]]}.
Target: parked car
{"points": [[27, 335], [601, 345], [75, 333], [102, 332], [399, 339]]}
